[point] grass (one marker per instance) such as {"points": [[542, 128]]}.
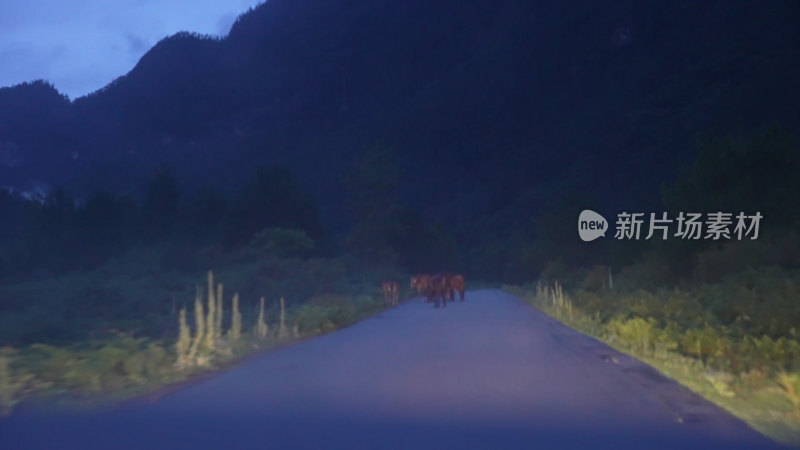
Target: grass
{"points": [[137, 325], [123, 367], [753, 377]]}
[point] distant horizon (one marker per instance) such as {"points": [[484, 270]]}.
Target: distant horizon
{"points": [[82, 47]]}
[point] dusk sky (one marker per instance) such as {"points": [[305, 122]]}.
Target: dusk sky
{"points": [[81, 45]]}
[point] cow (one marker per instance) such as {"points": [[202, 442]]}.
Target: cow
{"points": [[456, 283], [420, 283], [437, 290], [390, 292]]}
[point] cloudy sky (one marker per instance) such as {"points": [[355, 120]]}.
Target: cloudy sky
{"points": [[81, 45]]}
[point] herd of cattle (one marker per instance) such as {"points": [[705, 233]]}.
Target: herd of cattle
{"points": [[438, 289]]}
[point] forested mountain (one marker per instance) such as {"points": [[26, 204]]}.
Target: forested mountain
{"points": [[493, 108]]}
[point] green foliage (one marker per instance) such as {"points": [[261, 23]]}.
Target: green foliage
{"points": [[418, 246], [678, 331], [122, 363], [102, 367], [205, 216], [211, 317], [161, 202], [283, 243], [328, 312], [105, 226], [756, 302], [236, 320], [273, 199], [714, 263], [554, 271], [183, 345], [721, 383], [261, 328], [733, 174], [790, 382], [371, 183], [637, 333], [314, 319], [220, 313], [745, 322], [597, 278], [653, 270], [199, 330], [282, 330], [703, 344], [60, 235], [13, 384]]}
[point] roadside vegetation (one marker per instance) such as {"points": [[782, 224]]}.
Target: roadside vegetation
{"points": [[748, 362], [209, 332], [721, 317], [106, 298]]}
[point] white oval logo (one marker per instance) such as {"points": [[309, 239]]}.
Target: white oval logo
{"points": [[591, 225]]}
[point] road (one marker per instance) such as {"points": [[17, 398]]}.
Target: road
{"points": [[490, 373]]}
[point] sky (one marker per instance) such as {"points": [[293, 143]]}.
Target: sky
{"points": [[82, 45]]}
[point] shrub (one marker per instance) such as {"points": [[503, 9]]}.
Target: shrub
{"points": [[314, 319], [13, 383], [712, 264], [283, 242], [636, 333], [790, 382], [702, 343]]}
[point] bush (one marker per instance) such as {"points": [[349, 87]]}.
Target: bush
{"points": [[640, 335], [283, 242], [597, 278], [314, 319]]}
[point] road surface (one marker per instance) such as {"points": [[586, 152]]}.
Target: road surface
{"points": [[490, 373]]}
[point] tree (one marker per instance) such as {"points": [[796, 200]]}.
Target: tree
{"points": [[371, 184], [160, 208], [274, 199], [736, 174], [106, 225], [205, 215]]}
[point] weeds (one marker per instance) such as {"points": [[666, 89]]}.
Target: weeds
{"points": [[12, 385], [122, 363], [261, 327], [790, 382], [737, 363]]}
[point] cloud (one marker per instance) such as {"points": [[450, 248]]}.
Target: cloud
{"points": [[224, 24], [82, 45], [137, 44]]}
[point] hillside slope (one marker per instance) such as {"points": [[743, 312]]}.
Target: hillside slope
{"points": [[519, 97]]}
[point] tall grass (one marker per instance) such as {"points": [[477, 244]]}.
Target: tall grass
{"points": [[124, 365], [734, 364]]}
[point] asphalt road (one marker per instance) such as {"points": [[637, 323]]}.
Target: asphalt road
{"points": [[490, 373]]}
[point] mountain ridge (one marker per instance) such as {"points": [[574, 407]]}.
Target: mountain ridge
{"points": [[504, 94]]}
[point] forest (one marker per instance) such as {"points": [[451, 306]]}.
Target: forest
{"points": [[229, 195]]}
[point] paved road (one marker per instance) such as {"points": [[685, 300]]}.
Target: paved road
{"points": [[490, 373]]}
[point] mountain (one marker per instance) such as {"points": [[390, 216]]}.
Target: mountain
{"points": [[492, 106]]}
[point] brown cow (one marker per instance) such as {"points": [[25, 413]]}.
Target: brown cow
{"points": [[390, 292], [437, 290], [420, 283], [455, 284]]}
